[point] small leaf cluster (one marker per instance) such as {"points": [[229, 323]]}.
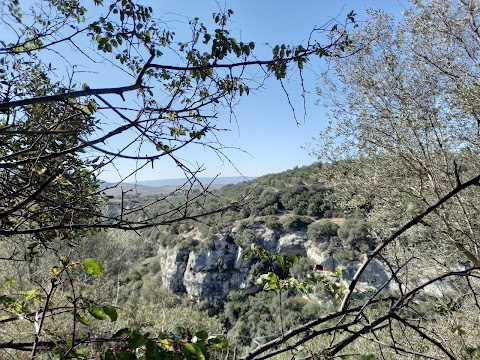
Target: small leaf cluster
{"points": [[31, 142], [285, 261], [108, 33], [332, 282], [271, 280], [18, 301], [178, 344]]}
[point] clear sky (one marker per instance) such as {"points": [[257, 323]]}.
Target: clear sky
{"points": [[265, 130]]}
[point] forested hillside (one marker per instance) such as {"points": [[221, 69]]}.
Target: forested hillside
{"points": [[370, 253], [287, 233], [295, 206]]}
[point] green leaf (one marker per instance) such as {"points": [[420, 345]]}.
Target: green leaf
{"points": [[271, 286], [92, 266], [163, 340], [281, 262], [135, 341], [218, 342], [192, 351], [189, 350], [79, 353], [81, 319], [97, 312], [292, 259], [121, 333], [86, 110], [248, 254], [204, 352], [202, 335], [153, 351], [111, 312]]}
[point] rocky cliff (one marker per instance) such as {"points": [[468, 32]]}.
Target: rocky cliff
{"points": [[215, 270]]}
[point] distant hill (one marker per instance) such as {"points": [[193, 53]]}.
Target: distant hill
{"points": [[203, 180], [156, 187]]}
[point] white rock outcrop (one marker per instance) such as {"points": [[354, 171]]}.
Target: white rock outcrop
{"points": [[214, 271]]}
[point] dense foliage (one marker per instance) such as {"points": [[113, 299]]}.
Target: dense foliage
{"points": [[133, 283], [153, 94], [391, 218], [298, 192]]}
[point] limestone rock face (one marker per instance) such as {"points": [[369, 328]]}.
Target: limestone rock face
{"points": [[373, 277], [213, 271], [173, 264], [208, 272], [294, 243]]}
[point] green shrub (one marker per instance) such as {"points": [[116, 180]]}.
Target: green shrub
{"points": [[354, 234], [322, 231], [271, 222], [296, 223], [301, 269]]}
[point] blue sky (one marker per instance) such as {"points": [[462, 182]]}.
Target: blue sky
{"points": [[265, 130]]}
